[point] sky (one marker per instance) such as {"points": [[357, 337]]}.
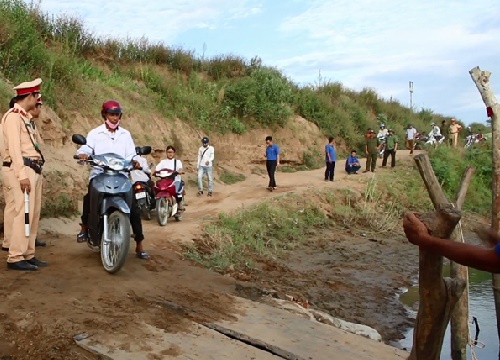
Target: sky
{"points": [[378, 44]]}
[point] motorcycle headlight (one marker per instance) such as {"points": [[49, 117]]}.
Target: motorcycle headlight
{"points": [[116, 164]]}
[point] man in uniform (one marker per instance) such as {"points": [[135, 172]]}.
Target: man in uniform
{"points": [[21, 169], [33, 114]]}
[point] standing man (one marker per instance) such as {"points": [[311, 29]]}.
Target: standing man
{"points": [[272, 161], [453, 130], [206, 154], [35, 114], [21, 169], [372, 147], [410, 138], [391, 146], [330, 158]]}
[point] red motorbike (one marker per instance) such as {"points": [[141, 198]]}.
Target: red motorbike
{"points": [[167, 189]]}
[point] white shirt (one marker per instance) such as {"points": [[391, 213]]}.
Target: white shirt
{"points": [[169, 164], [104, 141], [141, 175], [204, 156], [436, 131], [410, 133], [382, 133]]}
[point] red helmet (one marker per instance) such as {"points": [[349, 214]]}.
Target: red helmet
{"points": [[111, 107]]}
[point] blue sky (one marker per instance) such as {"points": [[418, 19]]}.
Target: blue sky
{"points": [[381, 44]]}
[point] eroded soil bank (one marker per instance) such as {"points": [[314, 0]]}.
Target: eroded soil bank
{"points": [[354, 277]]}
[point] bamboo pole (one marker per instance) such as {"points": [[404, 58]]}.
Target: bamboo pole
{"points": [[482, 81]]}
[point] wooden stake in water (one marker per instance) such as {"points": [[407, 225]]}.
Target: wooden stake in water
{"points": [[26, 214]]}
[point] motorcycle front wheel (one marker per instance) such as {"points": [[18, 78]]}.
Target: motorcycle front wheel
{"points": [[115, 249], [162, 211]]}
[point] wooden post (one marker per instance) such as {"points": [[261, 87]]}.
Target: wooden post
{"points": [[482, 81], [438, 296], [459, 321]]}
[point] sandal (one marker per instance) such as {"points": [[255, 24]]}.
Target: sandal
{"points": [[200, 193], [142, 255], [82, 237]]}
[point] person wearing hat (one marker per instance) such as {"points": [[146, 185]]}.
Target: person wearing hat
{"points": [[21, 170], [35, 114], [391, 146], [204, 165], [110, 137], [453, 130], [372, 146]]}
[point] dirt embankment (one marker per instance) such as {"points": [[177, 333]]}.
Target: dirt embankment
{"points": [[65, 181]]}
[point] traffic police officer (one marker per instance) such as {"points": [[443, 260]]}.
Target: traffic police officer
{"points": [[21, 170]]}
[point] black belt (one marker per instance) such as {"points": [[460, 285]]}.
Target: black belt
{"points": [[36, 165]]}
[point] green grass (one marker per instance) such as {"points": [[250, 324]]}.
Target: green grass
{"points": [[239, 240], [229, 177], [61, 206], [450, 163], [226, 92]]}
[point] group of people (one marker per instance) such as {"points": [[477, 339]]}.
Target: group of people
{"points": [[23, 164]]}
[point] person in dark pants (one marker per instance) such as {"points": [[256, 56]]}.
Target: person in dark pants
{"points": [[272, 161], [110, 137], [391, 148], [372, 148], [330, 158]]}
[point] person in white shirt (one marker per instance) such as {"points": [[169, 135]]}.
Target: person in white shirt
{"points": [[382, 133], [173, 164], [410, 138], [110, 137], [143, 174], [206, 155], [436, 131]]}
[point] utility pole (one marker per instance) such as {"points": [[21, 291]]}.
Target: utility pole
{"points": [[410, 86]]}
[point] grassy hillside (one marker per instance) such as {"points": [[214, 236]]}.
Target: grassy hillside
{"points": [[225, 93]]}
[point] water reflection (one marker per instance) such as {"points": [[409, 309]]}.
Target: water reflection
{"points": [[481, 305]]}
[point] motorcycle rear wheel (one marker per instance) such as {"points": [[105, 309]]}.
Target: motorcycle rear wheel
{"points": [[114, 251], [162, 211], [146, 212]]}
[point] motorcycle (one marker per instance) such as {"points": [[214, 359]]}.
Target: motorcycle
{"points": [[473, 139], [381, 138], [110, 202], [166, 193], [145, 202], [435, 140]]}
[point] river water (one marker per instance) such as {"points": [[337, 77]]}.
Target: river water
{"points": [[481, 305]]}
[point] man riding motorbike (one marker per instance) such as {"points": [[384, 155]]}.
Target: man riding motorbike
{"points": [[110, 137], [173, 164]]}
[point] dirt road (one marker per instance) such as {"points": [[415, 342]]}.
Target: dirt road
{"points": [[41, 311]]}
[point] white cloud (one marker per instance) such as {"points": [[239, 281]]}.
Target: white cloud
{"points": [[158, 20], [361, 42]]}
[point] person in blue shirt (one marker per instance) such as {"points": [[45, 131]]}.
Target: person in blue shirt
{"points": [[272, 161], [352, 163], [330, 158]]}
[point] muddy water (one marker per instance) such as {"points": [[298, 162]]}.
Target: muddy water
{"points": [[481, 306]]}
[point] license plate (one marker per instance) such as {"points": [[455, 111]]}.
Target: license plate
{"points": [[140, 195]]}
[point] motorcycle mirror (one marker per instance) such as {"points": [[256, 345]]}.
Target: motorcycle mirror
{"points": [[144, 150], [78, 139]]}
